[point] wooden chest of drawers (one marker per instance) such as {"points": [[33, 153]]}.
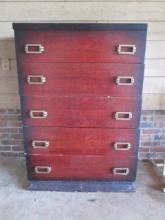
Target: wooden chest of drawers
{"points": [[80, 88]]}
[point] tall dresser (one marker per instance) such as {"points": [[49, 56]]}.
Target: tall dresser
{"points": [[80, 89]]}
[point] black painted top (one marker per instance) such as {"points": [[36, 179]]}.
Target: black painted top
{"points": [[79, 26]]}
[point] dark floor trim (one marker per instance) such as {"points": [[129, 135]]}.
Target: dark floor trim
{"points": [[82, 186]]}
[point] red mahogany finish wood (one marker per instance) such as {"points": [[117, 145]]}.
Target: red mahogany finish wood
{"points": [[81, 167], [82, 141], [81, 111], [91, 79], [80, 89], [81, 46]]}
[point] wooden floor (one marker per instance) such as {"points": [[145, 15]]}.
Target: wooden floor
{"points": [[17, 203]]}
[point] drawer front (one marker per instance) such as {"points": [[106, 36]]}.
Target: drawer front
{"points": [[81, 167], [81, 111], [81, 46], [82, 141], [119, 80]]}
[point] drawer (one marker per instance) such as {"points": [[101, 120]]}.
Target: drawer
{"points": [[73, 167], [80, 46], [81, 111], [94, 79], [84, 141]]}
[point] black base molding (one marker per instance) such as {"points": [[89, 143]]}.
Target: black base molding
{"points": [[82, 186]]}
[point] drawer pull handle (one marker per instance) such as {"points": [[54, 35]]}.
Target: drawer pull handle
{"points": [[38, 114], [34, 48], [121, 171], [36, 79], [122, 146], [123, 115], [42, 169], [40, 144], [125, 80], [126, 49]]}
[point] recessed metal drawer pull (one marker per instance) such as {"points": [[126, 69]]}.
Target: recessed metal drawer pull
{"points": [[127, 49], [34, 48], [125, 80], [122, 146], [40, 144], [36, 79], [123, 115], [38, 114], [121, 171], [42, 169]]}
